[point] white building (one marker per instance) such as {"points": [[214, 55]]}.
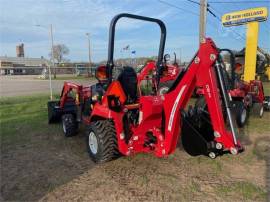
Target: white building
{"points": [[22, 65]]}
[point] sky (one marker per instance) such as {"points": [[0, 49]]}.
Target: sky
{"points": [[72, 19]]}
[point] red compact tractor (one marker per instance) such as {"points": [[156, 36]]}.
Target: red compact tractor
{"points": [[252, 92], [169, 74], [121, 120], [245, 96]]}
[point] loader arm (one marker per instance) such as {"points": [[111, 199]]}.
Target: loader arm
{"points": [[200, 73], [67, 88], [66, 98]]}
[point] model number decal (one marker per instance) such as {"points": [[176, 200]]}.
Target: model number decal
{"points": [[208, 90]]}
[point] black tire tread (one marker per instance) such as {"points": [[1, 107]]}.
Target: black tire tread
{"points": [[238, 113], [256, 109], [107, 140], [71, 125]]}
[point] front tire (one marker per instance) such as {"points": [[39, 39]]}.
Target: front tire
{"points": [[101, 141], [70, 125]]}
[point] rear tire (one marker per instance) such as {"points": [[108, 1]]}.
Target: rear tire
{"points": [[241, 114], [101, 141], [258, 109], [70, 125]]}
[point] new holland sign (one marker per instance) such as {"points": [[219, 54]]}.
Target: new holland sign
{"points": [[245, 16]]}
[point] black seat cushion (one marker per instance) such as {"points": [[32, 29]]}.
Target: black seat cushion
{"points": [[128, 80]]}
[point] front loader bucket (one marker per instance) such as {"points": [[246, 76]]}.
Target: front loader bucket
{"points": [[197, 134], [54, 112]]}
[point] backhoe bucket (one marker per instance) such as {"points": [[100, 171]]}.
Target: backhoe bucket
{"points": [[197, 134]]}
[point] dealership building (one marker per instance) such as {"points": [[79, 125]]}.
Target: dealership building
{"points": [[22, 65]]}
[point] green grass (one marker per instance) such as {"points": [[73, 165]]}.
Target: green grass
{"points": [[245, 190], [258, 125], [194, 186], [22, 115]]}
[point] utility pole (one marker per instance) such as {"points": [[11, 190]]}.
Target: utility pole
{"points": [[89, 55], [52, 59], [203, 13], [51, 36]]}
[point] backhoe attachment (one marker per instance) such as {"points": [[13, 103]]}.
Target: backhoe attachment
{"points": [[204, 129]]}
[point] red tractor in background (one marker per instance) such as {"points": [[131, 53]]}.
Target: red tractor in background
{"points": [[169, 73], [251, 92], [245, 96], [121, 120]]}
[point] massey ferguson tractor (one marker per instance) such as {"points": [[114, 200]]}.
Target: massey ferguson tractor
{"points": [[169, 74], [245, 97], [121, 120]]}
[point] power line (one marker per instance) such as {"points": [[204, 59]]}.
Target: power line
{"points": [[194, 2], [219, 19], [237, 2], [191, 12], [208, 10], [177, 7]]}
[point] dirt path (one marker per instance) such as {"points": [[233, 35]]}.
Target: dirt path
{"points": [[30, 170], [53, 168], [176, 178]]}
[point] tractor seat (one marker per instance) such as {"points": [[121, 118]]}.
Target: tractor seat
{"points": [[128, 81]]}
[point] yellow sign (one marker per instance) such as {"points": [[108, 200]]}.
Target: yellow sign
{"points": [[244, 16]]}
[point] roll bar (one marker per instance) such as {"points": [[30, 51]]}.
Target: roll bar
{"points": [[110, 63]]}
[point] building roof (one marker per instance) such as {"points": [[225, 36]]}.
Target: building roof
{"points": [[25, 61]]}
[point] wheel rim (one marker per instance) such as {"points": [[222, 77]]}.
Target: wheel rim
{"points": [[92, 141], [163, 90], [243, 115], [261, 112], [64, 126]]}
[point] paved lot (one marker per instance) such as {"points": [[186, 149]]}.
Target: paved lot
{"points": [[29, 85]]}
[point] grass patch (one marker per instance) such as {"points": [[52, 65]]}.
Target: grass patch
{"points": [[258, 125], [215, 165], [20, 116], [245, 190], [194, 186]]}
